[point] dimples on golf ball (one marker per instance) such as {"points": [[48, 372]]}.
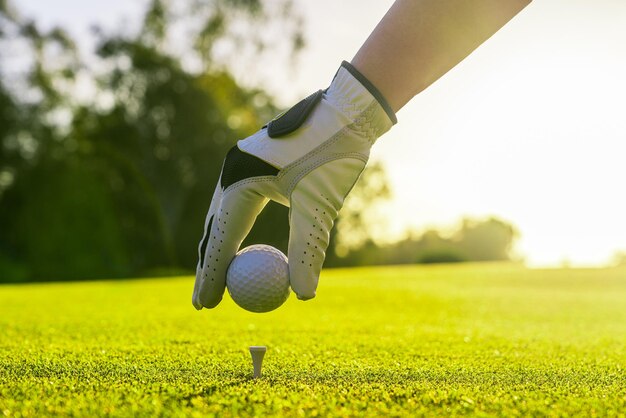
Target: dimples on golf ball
{"points": [[258, 278]]}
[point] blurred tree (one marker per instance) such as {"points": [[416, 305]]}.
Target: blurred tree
{"points": [[431, 247], [9, 121], [9, 166], [487, 240], [619, 258], [72, 201], [32, 150], [120, 185], [475, 240]]}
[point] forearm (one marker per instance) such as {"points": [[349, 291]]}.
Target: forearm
{"points": [[418, 41]]}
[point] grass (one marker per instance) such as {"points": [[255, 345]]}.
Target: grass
{"points": [[484, 340]]}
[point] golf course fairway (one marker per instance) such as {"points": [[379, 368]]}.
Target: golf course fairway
{"points": [[464, 339]]}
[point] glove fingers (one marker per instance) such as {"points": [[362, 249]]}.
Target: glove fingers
{"points": [[231, 223], [310, 223], [315, 203]]}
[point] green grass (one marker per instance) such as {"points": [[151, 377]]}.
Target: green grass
{"points": [[484, 340]]}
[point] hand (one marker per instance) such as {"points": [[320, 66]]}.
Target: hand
{"points": [[308, 159]]}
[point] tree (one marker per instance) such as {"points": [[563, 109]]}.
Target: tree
{"points": [[475, 240], [119, 185], [32, 150], [487, 240], [619, 259]]}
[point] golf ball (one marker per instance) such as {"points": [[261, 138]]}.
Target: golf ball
{"points": [[258, 278]]}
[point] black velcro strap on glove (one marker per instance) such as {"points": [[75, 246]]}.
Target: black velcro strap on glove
{"points": [[239, 166], [294, 117]]}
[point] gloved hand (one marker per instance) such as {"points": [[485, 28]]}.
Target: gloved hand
{"points": [[308, 159]]}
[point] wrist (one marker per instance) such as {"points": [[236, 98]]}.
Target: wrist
{"points": [[371, 88]]}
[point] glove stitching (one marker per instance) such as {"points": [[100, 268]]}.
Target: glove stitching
{"points": [[331, 140], [292, 185], [321, 148], [249, 180]]}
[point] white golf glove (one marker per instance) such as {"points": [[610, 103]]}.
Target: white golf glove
{"points": [[308, 159]]}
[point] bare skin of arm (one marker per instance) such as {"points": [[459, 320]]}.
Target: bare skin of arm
{"points": [[418, 41]]}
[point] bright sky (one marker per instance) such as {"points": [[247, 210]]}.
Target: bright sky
{"points": [[530, 128]]}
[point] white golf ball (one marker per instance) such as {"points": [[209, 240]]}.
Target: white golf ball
{"points": [[258, 278]]}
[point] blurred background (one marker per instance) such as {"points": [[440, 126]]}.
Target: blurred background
{"points": [[115, 118]]}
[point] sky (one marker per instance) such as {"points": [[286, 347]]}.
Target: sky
{"points": [[530, 128]]}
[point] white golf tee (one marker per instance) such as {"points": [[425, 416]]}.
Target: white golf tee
{"points": [[257, 352]]}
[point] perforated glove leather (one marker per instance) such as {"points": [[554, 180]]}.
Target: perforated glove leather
{"points": [[308, 159]]}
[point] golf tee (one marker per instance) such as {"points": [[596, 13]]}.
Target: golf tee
{"points": [[257, 352]]}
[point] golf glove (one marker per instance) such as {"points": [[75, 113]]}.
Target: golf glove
{"points": [[308, 159]]}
